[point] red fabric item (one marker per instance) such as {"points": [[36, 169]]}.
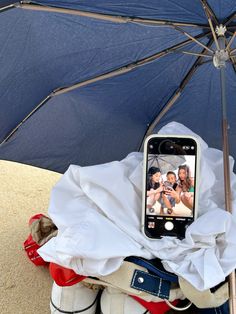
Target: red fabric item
{"points": [[155, 307], [64, 276], [35, 217], [31, 248]]}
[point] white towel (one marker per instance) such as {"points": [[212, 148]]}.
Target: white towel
{"points": [[97, 210]]}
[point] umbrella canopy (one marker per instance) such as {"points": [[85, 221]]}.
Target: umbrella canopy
{"points": [[83, 82]]}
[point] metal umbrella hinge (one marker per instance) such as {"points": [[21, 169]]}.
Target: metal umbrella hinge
{"points": [[221, 30], [221, 55]]}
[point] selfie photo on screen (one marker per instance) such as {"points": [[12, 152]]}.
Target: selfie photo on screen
{"points": [[170, 185]]}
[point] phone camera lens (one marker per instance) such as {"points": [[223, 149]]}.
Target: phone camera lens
{"points": [[169, 146], [166, 147]]}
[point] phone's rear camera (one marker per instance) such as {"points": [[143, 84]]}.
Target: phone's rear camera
{"points": [[166, 146], [170, 147]]}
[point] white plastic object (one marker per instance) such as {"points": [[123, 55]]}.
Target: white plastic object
{"points": [[72, 299]]}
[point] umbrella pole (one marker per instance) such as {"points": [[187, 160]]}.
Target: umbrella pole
{"points": [[228, 198]]}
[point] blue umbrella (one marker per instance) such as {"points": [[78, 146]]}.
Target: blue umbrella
{"points": [[165, 162], [84, 82]]}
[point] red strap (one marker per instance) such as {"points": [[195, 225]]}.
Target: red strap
{"points": [[155, 307], [31, 248], [64, 276]]}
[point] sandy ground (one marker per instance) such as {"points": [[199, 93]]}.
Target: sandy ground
{"points": [[179, 210], [25, 191]]}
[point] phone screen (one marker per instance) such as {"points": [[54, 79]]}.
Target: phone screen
{"points": [[170, 185]]}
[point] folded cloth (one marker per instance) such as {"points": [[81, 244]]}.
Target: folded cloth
{"points": [[207, 254], [97, 211]]}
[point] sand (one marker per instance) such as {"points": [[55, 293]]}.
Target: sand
{"points": [[25, 191]]}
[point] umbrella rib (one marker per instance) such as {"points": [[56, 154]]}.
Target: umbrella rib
{"points": [[233, 63], [232, 27], [116, 72], [209, 15], [230, 32], [230, 42], [29, 6], [8, 7], [204, 62], [26, 118], [194, 53], [232, 51], [107, 17], [175, 96], [193, 39], [231, 18], [209, 12], [166, 23]]}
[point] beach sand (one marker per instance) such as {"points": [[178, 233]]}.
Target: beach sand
{"points": [[178, 210], [25, 191]]}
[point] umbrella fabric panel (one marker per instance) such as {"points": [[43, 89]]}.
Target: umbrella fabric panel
{"points": [[45, 51], [6, 2], [222, 8], [63, 133], [171, 10], [58, 139], [199, 106], [100, 122]]}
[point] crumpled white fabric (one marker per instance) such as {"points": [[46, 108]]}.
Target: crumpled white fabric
{"points": [[97, 210]]}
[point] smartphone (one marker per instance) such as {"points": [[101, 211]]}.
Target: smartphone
{"points": [[170, 189]]}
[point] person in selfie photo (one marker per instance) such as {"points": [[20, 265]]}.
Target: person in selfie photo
{"points": [[186, 185], [171, 191], [154, 190]]}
